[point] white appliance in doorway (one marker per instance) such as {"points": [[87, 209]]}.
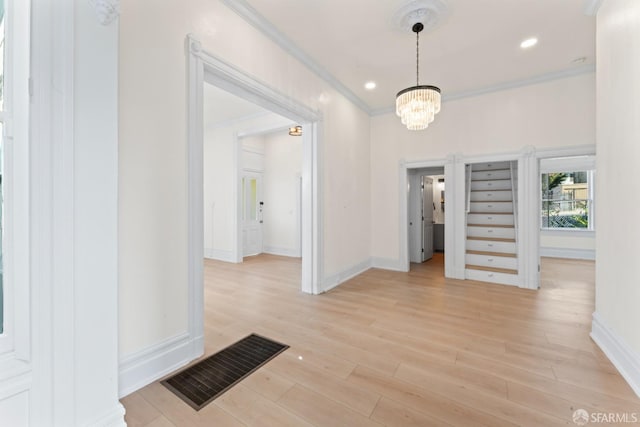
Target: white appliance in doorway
{"points": [[427, 218], [252, 209]]}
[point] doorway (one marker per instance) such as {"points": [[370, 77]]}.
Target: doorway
{"points": [[251, 212], [203, 66], [425, 208]]}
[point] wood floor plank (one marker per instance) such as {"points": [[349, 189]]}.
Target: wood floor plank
{"points": [[322, 411], [139, 411], [254, 410], [392, 414], [181, 414]]}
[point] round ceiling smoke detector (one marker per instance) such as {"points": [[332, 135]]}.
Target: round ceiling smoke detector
{"points": [[430, 13]]}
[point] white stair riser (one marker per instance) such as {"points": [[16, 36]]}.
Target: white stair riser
{"points": [[489, 246], [492, 207], [490, 276], [490, 166], [490, 196], [502, 233], [500, 184], [492, 261], [490, 219], [484, 175]]}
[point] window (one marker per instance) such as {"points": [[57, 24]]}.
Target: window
{"points": [[567, 193]]}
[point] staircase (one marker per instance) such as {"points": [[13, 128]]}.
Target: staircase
{"points": [[491, 254]]}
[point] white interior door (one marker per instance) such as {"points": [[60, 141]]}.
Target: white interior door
{"points": [[252, 207], [415, 218], [427, 218]]}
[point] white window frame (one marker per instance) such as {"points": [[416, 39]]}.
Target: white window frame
{"points": [[15, 339], [582, 163]]}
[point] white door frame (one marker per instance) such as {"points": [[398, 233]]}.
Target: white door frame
{"points": [[201, 65], [405, 167]]}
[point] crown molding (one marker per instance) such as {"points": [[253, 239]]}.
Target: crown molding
{"points": [[543, 78], [250, 15], [591, 7]]}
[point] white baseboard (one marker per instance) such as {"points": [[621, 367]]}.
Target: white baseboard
{"points": [[387, 264], [220, 255], [589, 254], [334, 280], [115, 418], [274, 250], [144, 367], [626, 361]]}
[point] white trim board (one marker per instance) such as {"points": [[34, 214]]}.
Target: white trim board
{"points": [[387, 264], [626, 361], [150, 364], [288, 252], [337, 279], [220, 255], [588, 254]]}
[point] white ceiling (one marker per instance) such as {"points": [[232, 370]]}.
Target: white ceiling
{"points": [[476, 47]]}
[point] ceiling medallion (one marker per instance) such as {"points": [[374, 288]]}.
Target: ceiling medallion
{"points": [[430, 13]]}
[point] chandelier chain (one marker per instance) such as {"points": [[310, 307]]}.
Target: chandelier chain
{"points": [[417, 58]]}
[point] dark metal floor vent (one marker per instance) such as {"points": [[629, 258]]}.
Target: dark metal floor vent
{"points": [[199, 384]]}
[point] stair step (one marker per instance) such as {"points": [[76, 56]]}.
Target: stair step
{"points": [[491, 213], [492, 239], [490, 166], [490, 225], [487, 253], [495, 270], [490, 175]]}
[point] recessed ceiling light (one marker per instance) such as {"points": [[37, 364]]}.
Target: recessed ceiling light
{"points": [[529, 43], [370, 85]]}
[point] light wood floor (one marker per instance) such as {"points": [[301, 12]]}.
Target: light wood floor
{"points": [[401, 349]]}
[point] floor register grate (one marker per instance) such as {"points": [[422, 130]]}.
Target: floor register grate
{"points": [[201, 383]]}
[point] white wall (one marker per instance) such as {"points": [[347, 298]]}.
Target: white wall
{"points": [[568, 244], [220, 174], [617, 316], [281, 186], [559, 113], [153, 208]]}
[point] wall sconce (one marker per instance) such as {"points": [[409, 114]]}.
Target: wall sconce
{"points": [[295, 131]]}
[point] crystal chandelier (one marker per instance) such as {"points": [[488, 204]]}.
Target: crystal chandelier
{"points": [[418, 105]]}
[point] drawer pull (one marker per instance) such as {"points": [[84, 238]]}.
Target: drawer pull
{"points": [[490, 274], [490, 260], [489, 184], [489, 231], [489, 218], [490, 245]]}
